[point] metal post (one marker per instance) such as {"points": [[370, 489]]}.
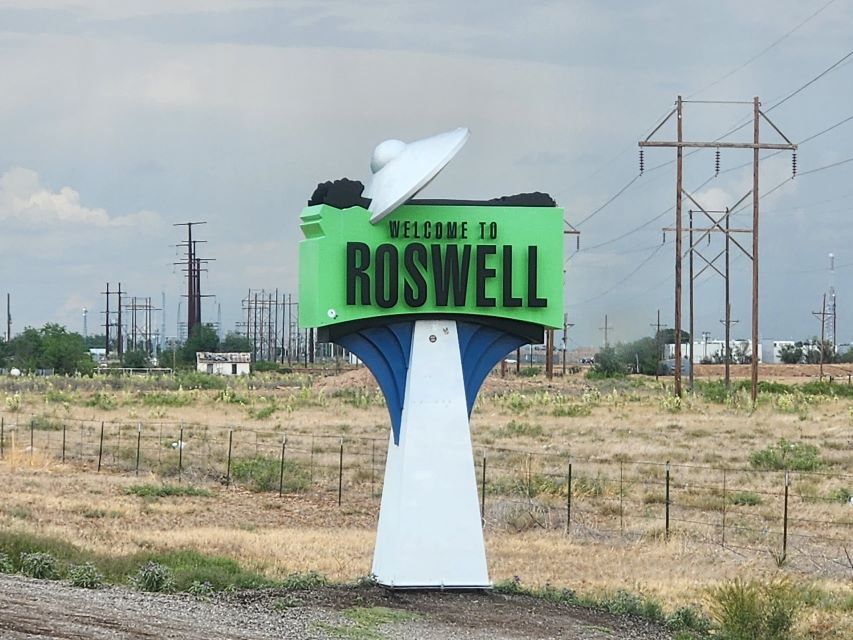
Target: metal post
{"points": [[569, 499], [728, 349], [725, 504], [785, 521], [341, 472], [138, 445], [281, 470], [621, 512], [181, 453], [690, 295], [32, 438], [678, 189], [228, 469], [755, 199], [666, 503], [101, 446], [483, 493], [63, 443]]}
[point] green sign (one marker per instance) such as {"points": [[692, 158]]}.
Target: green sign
{"points": [[503, 262]]}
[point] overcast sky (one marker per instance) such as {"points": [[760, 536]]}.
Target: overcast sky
{"points": [[118, 119]]}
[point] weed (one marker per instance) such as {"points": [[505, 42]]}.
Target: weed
{"points": [[688, 618], [745, 498], [103, 401], [201, 590], [364, 622], [13, 403], [154, 577], [304, 581], [85, 575], [198, 380], [39, 564], [166, 491], [230, 396], [6, 563], [842, 494], [753, 610], [509, 586], [794, 456], [168, 399], [264, 412], [572, 410], [521, 429], [626, 603], [263, 474]]}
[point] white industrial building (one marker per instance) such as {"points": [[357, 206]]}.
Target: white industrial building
{"points": [[224, 364], [711, 350]]}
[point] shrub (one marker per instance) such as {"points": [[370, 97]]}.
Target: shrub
{"points": [[6, 563], [303, 581], [572, 410], [746, 498], [626, 603], [509, 586], [153, 577], [39, 565], [104, 401], [753, 610], [85, 575], [198, 380], [688, 618], [263, 474], [521, 429], [793, 456], [200, 589]]}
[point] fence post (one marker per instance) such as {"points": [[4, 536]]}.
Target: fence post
{"points": [[101, 447], [2, 437], [666, 503], [785, 521], [621, 508], [138, 445], [63, 443], [281, 469], [373, 468], [181, 452], [341, 472], [569, 498], [483, 493], [725, 506], [228, 470], [32, 438]]}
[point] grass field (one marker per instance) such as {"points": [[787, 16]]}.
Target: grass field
{"points": [[727, 470]]}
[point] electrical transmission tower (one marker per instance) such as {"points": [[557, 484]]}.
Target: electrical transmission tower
{"points": [[680, 144], [193, 268]]}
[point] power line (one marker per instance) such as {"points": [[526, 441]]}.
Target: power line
{"points": [[763, 51]]}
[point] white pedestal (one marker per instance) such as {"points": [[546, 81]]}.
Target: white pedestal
{"points": [[430, 533]]}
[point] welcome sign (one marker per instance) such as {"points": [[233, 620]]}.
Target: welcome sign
{"points": [[427, 259], [430, 295]]}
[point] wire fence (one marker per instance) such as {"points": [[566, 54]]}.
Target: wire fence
{"points": [[803, 517]]}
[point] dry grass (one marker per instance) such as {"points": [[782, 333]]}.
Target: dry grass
{"points": [[623, 426]]}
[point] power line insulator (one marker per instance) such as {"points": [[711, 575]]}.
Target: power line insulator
{"points": [[717, 163], [794, 164], [642, 162]]}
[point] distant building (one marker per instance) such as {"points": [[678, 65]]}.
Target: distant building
{"points": [[223, 364], [98, 355], [772, 350], [712, 351]]}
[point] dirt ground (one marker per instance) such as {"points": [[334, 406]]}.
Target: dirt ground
{"points": [[43, 609]]}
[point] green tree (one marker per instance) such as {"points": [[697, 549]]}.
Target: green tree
{"points": [[202, 338], [791, 354], [667, 336], [644, 351], [235, 343], [137, 359], [607, 364], [64, 352], [26, 350]]}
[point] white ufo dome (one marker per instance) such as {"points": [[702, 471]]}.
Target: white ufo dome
{"points": [[400, 170]]}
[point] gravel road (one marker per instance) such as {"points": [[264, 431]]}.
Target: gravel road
{"points": [[43, 609]]}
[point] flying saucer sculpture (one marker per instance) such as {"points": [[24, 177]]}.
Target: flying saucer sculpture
{"points": [[430, 295], [401, 170]]}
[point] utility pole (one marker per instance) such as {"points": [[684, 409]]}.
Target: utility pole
{"points": [[606, 329], [119, 345], [821, 315], [107, 323], [756, 145], [658, 326], [8, 318], [193, 277]]}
